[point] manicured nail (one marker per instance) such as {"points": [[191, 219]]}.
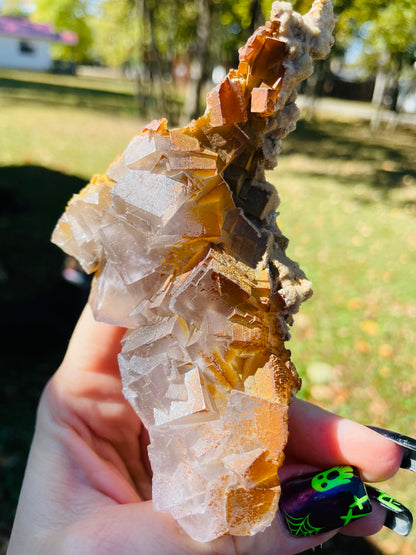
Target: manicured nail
{"points": [[399, 518], [324, 501], [408, 443]]}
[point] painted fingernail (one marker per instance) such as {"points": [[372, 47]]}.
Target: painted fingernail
{"points": [[399, 518], [408, 443], [320, 502]]}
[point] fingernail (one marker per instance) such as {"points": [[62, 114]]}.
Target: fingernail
{"points": [[408, 443], [320, 502], [399, 518]]}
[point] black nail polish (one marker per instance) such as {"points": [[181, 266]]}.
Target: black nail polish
{"points": [[319, 502], [399, 518], [408, 443]]}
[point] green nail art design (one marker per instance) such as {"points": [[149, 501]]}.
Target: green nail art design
{"points": [[332, 478], [398, 518], [389, 502], [317, 503], [359, 503], [301, 526]]}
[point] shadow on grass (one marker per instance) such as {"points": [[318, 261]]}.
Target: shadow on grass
{"points": [[67, 95], [31, 200], [58, 89], [39, 310], [84, 97], [390, 161]]}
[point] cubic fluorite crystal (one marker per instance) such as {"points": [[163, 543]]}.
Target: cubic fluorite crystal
{"points": [[181, 232]]}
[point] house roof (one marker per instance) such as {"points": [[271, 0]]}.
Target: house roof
{"points": [[24, 29]]}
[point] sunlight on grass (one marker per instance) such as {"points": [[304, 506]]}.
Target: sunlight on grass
{"points": [[123, 86], [349, 209], [73, 141], [357, 243], [361, 259]]}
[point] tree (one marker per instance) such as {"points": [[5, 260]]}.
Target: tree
{"points": [[387, 30], [68, 15], [116, 33], [157, 34], [220, 29], [13, 8]]}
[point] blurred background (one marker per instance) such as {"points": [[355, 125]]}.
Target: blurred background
{"points": [[78, 78]]}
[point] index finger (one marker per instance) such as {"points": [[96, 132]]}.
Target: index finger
{"points": [[94, 346], [322, 439]]}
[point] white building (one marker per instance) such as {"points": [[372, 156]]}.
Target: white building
{"points": [[26, 45]]}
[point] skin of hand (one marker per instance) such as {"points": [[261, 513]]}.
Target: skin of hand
{"points": [[87, 486]]}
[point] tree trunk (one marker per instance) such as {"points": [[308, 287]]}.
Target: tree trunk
{"points": [[316, 86], [156, 67], [386, 92], [199, 63], [256, 16], [139, 9]]}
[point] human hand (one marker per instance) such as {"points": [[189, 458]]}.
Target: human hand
{"points": [[87, 487]]}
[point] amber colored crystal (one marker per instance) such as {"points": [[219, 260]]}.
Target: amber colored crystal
{"points": [[262, 101], [226, 103], [181, 233]]}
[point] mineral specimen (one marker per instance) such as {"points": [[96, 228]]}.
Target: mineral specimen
{"points": [[181, 232]]}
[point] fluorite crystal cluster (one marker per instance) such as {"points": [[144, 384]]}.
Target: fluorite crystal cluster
{"points": [[181, 232]]}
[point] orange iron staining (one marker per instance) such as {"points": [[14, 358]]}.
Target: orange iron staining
{"points": [[181, 233]]}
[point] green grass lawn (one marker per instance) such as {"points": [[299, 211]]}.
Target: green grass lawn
{"points": [[95, 93], [67, 90], [348, 207]]}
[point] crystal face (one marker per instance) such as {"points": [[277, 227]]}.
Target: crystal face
{"points": [[181, 234]]}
